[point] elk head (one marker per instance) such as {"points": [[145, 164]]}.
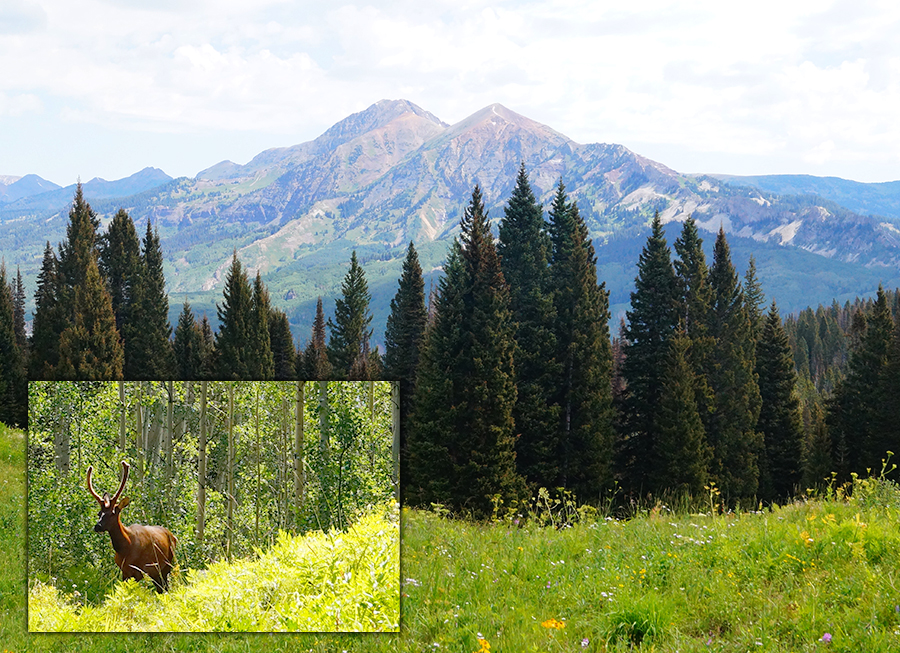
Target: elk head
{"points": [[109, 508]]}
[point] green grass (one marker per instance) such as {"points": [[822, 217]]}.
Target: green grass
{"points": [[771, 581]]}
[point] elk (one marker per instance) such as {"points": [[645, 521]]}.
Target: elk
{"points": [[139, 549]]}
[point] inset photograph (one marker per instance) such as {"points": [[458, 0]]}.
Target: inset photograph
{"points": [[213, 506]]}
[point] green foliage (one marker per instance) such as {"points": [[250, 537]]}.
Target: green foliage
{"points": [[48, 316], [261, 364], [779, 417], [148, 351], [584, 356], [282, 344], [651, 322], [13, 377], [350, 330], [187, 346], [120, 264], [525, 248], [340, 581], [461, 448], [235, 331], [403, 338], [731, 428], [313, 364]]}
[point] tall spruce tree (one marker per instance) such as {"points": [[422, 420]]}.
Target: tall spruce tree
{"points": [[18, 294], [462, 443], [313, 364], [853, 410], [282, 343], [524, 247], [148, 349], [780, 421], [80, 245], [403, 339], [261, 364], [755, 299], [695, 297], [208, 358], [120, 264], [651, 322], [90, 348], [186, 346], [13, 378], [48, 319], [583, 389], [350, 330], [236, 325], [817, 460], [732, 433], [682, 455]]}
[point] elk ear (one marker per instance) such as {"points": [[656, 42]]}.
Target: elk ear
{"points": [[124, 501]]}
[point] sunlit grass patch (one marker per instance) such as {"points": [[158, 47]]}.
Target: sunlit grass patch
{"points": [[321, 582]]}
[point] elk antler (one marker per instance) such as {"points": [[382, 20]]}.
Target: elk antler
{"points": [[122, 485], [90, 485]]}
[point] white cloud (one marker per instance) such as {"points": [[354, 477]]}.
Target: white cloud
{"points": [[776, 80]]}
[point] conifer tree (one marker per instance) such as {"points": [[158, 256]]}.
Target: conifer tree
{"points": [[350, 330], [780, 421], [120, 264], [208, 359], [524, 247], [282, 343], [584, 356], [403, 338], [694, 299], [462, 443], [48, 319], [80, 244], [186, 346], [18, 294], [313, 364], [817, 461], [754, 299], [236, 325], [651, 322], [148, 349], [732, 433], [260, 363], [854, 408], [90, 348], [13, 379], [682, 456]]}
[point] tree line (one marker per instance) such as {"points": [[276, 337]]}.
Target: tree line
{"points": [[509, 378]]}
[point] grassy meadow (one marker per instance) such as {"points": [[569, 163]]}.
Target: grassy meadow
{"points": [[822, 575]]}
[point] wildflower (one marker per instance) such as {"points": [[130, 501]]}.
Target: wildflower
{"points": [[585, 642], [553, 623], [825, 638], [485, 646]]}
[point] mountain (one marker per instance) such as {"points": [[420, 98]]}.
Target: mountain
{"points": [[395, 172], [877, 199], [50, 197], [15, 188]]}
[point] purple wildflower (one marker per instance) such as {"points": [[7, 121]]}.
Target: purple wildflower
{"points": [[826, 638]]}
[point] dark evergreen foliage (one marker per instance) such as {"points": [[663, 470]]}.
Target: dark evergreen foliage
{"points": [[403, 337], [462, 446], [261, 364], [780, 421], [80, 245], [732, 433], [90, 348], [350, 330], [148, 349], [208, 357], [652, 320], [233, 352], [524, 247], [282, 343], [817, 461], [120, 264], [853, 411], [186, 346], [48, 319], [583, 391], [754, 298], [313, 364], [18, 295], [682, 455], [13, 378]]}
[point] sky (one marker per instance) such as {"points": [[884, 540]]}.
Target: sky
{"points": [[104, 88]]}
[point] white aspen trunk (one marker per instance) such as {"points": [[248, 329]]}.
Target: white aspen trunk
{"points": [[395, 429], [201, 465], [299, 470]]}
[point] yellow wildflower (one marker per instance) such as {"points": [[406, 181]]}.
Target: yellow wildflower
{"points": [[553, 623]]}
